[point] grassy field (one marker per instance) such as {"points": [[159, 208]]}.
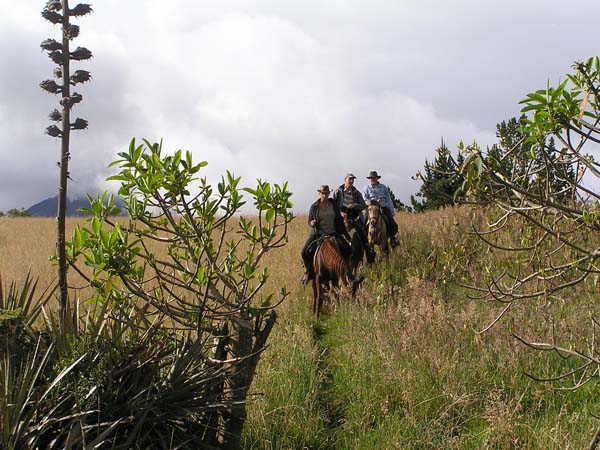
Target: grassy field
{"points": [[402, 365]]}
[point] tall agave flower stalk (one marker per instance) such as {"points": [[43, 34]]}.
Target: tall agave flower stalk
{"points": [[58, 12]]}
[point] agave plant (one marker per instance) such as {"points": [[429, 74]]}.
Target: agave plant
{"points": [[27, 418], [20, 308], [58, 12]]}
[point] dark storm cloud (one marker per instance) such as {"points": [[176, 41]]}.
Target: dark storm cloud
{"points": [[298, 91]]}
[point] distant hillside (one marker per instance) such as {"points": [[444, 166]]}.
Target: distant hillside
{"points": [[48, 207]]}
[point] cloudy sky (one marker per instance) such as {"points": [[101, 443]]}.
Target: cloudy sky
{"points": [[296, 90]]}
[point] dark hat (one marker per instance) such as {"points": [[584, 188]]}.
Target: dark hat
{"points": [[373, 174], [349, 175], [324, 188]]}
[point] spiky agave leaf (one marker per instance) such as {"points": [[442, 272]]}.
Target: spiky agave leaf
{"points": [[18, 396], [29, 420], [24, 298], [170, 393]]}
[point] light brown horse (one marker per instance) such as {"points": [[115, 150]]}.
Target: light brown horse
{"points": [[330, 268], [376, 227]]}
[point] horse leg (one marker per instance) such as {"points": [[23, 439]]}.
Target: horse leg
{"points": [[325, 292], [316, 294], [320, 295]]}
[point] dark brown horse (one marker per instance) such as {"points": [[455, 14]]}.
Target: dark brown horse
{"points": [[358, 249], [331, 269]]}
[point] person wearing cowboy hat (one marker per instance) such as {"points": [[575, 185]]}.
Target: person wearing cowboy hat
{"points": [[324, 219], [350, 200], [381, 193]]}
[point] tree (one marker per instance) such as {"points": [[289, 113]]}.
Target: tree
{"points": [[554, 208], [14, 212], [398, 204], [181, 265], [514, 158], [60, 54], [441, 181]]}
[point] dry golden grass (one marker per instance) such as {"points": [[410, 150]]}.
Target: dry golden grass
{"points": [[28, 243], [402, 364]]}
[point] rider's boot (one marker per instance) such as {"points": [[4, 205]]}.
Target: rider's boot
{"points": [[370, 253], [394, 241], [307, 276]]}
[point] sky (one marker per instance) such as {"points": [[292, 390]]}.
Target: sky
{"points": [[301, 91]]}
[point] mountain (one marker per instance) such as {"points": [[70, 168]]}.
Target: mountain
{"points": [[49, 207]]}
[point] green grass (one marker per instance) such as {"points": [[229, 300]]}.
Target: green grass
{"points": [[403, 366]]}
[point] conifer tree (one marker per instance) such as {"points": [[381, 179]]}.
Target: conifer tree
{"points": [[441, 181]]}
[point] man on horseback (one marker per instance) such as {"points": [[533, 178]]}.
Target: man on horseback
{"points": [[350, 200], [324, 219], [381, 193]]}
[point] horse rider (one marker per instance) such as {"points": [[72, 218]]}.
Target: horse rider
{"points": [[381, 193], [324, 219], [350, 200]]}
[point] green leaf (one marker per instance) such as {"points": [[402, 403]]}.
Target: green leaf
{"points": [[269, 215]]}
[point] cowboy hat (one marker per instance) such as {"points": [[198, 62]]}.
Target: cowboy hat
{"points": [[324, 188], [373, 174]]}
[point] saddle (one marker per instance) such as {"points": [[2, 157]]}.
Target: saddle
{"points": [[340, 243]]}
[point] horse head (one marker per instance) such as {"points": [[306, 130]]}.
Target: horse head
{"points": [[373, 215], [348, 222], [376, 228]]}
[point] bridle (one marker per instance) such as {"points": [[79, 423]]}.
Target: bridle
{"points": [[374, 215]]}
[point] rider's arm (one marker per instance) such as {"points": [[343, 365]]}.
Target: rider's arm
{"points": [[336, 196], [360, 201], [368, 193], [312, 216]]}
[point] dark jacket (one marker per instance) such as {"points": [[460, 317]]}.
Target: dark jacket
{"points": [[357, 198], [339, 222]]}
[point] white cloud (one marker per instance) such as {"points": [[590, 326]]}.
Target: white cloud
{"points": [[298, 91]]}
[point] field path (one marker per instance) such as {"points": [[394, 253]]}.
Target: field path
{"points": [[331, 408]]}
